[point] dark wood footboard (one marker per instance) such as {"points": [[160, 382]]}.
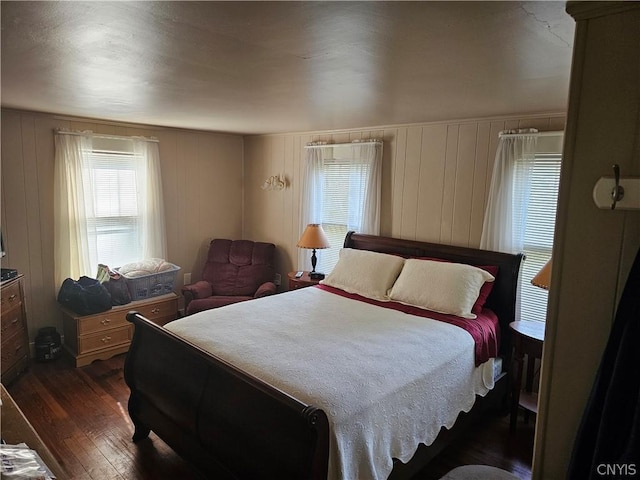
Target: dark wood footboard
{"points": [[231, 425], [226, 422]]}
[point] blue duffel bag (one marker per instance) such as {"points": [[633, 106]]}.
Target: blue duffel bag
{"points": [[85, 296]]}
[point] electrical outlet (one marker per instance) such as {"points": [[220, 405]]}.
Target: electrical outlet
{"points": [[187, 279], [277, 279]]}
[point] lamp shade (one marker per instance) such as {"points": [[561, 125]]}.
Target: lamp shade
{"points": [[543, 277], [313, 237]]}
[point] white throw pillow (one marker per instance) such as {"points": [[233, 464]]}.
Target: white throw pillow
{"points": [[365, 273], [440, 286]]}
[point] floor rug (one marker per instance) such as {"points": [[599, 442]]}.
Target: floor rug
{"points": [[479, 472]]}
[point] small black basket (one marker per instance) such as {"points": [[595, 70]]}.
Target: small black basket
{"points": [[48, 344]]}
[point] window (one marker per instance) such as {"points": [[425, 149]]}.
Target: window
{"points": [[345, 183], [113, 227], [107, 204], [536, 202], [342, 193], [521, 208]]}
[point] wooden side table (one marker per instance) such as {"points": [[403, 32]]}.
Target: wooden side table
{"points": [[528, 339], [303, 281]]}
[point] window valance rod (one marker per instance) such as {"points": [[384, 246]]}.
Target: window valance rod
{"points": [[345, 144], [509, 133], [88, 133]]}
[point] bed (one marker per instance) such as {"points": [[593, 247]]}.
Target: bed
{"points": [[236, 393]]}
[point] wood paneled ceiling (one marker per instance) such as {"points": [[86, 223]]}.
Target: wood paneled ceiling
{"points": [[270, 67]]}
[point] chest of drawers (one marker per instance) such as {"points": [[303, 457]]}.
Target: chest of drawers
{"points": [[15, 338], [103, 335]]}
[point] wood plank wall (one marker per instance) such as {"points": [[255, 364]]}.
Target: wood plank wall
{"points": [[202, 184], [435, 180]]}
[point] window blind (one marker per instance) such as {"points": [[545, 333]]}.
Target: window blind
{"points": [[112, 218], [535, 207], [343, 196]]}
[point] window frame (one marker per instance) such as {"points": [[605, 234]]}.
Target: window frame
{"points": [[365, 218], [118, 160]]}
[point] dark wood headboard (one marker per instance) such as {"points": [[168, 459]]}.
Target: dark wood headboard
{"points": [[503, 296]]}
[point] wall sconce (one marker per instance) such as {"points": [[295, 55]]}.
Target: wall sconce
{"points": [[274, 182]]}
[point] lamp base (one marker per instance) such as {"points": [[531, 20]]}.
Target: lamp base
{"points": [[316, 276]]}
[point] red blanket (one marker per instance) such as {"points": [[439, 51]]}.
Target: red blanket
{"points": [[485, 329]]}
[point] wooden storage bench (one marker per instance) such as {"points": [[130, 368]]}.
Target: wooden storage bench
{"points": [[103, 335]]}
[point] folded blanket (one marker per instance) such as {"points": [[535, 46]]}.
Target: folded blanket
{"points": [[146, 267]]}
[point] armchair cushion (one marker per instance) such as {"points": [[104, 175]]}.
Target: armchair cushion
{"points": [[201, 289], [267, 288], [201, 304], [235, 270]]}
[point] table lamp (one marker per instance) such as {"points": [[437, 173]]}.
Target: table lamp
{"points": [[314, 237], [543, 277]]}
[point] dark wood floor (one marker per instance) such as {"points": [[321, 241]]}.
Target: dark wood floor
{"points": [[81, 414]]}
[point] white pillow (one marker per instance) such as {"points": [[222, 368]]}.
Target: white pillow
{"points": [[440, 286], [370, 274]]}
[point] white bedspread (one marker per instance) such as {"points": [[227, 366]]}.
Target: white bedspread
{"points": [[387, 381]]}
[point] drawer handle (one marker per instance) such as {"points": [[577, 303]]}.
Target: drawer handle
{"points": [[106, 339], [155, 311], [13, 322], [104, 321], [9, 299]]}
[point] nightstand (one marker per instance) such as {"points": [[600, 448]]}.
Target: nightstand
{"points": [[303, 281], [528, 339]]}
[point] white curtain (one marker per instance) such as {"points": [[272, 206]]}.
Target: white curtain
{"points": [[312, 188], [150, 201], [367, 167], [505, 215], [364, 182], [75, 239], [72, 256]]}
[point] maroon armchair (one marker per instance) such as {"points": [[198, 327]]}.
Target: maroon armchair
{"points": [[236, 270]]}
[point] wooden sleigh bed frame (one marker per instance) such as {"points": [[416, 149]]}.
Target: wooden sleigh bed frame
{"points": [[231, 425]]}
